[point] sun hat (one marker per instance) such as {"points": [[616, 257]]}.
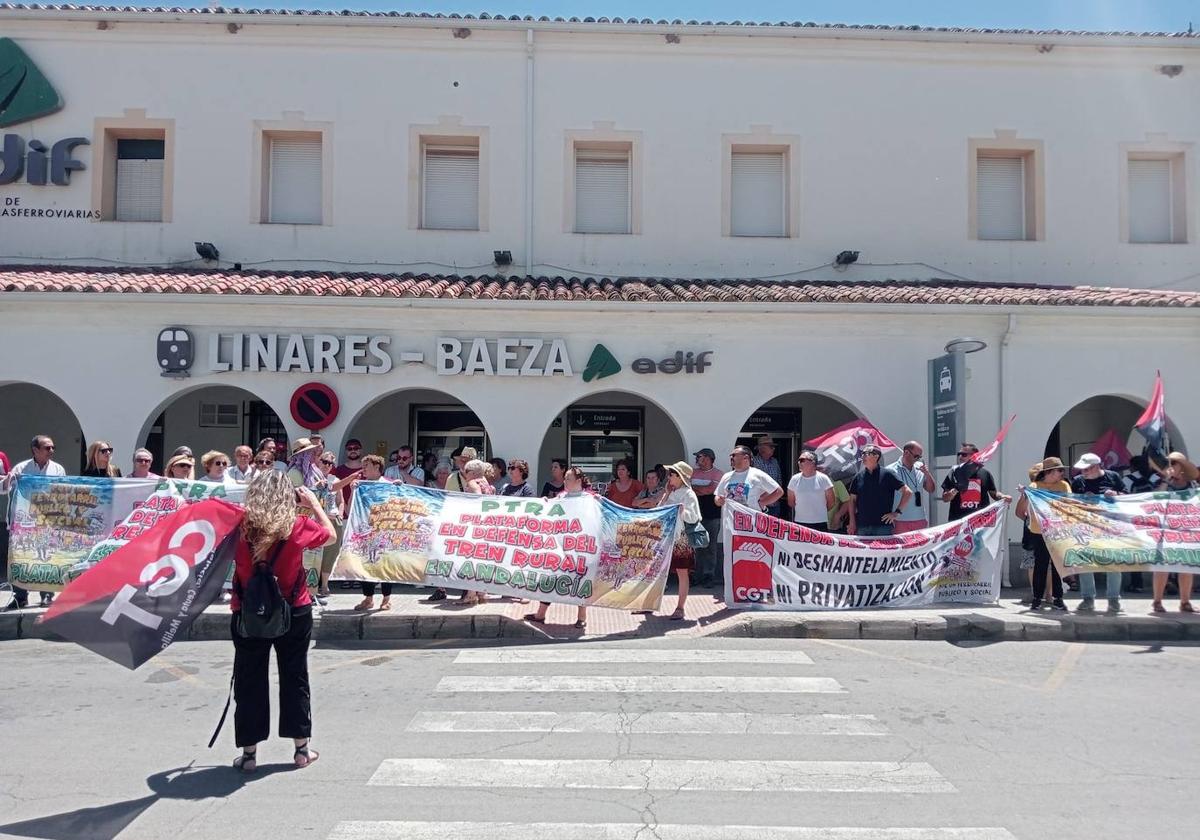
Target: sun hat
{"points": [[1190, 470], [1049, 464], [683, 469], [302, 445]]}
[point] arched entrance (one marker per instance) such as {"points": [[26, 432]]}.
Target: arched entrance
{"points": [[789, 420], [220, 417], [30, 410], [604, 428], [1086, 427], [432, 422]]}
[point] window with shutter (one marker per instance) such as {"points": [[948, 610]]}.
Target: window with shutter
{"points": [[1150, 201], [138, 188], [758, 195], [295, 181], [450, 189], [1000, 191], [602, 191]]}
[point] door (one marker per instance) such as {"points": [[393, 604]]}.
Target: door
{"points": [[442, 429], [600, 437]]}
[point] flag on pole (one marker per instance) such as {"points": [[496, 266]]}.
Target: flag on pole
{"points": [[982, 456], [838, 451], [1112, 450], [146, 594], [1153, 426]]}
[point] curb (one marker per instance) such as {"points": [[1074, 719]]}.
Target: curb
{"points": [[379, 627]]}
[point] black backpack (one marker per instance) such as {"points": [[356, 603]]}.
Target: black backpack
{"points": [[265, 613]]}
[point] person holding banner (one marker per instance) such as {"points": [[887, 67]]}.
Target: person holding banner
{"points": [[810, 494], [746, 484], [143, 460], [1051, 476], [40, 448], [1181, 477], [575, 483], [1097, 481], [180, 467], [275, 530], [969, 487], [99, 461], [683, 556], [872, 496], [370, 469]]}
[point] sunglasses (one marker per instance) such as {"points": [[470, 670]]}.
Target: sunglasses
{"points": [[182, 467], [328, 463], [141, 460], [51, 448], [965, 454], [108, 450], [220, 463], [809, 460], [263, 463]]}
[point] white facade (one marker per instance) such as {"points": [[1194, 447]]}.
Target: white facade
{"points": [[881, 132], [880, 137]]}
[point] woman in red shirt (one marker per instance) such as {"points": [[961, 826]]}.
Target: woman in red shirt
{"points": [[276, 513]]}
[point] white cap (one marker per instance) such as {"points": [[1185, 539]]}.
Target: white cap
{"points": [[1089, 460]]}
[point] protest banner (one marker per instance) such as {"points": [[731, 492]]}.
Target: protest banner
{"points": [[581, 550], [59, 526], [1142, 532], [773, 564], [147, 592]]}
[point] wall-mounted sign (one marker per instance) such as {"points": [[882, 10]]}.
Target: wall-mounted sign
{"points": [[175, 352], [503, 357], [320, 353], [314, 406], [605, 420], [679, 363], [947, 392], [25, 93], [54, 164]]}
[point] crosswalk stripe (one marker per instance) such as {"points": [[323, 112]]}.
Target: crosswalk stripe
{"points": [[723, 685], [664, 774], [621, 656], [653, 723], [398, 830]]}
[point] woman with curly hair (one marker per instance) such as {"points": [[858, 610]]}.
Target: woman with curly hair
{"points": [[99, 461], [280, 523], [575, 483]]}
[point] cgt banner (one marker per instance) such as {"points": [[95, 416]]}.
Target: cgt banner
{"points": [[1142, 532], [60, 527], [773, 564], [581, 550], [148, 592]]}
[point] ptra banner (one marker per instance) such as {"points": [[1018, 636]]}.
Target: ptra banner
{"points": [[581, 550], [59, 527], [773, 564], [1142, 532], [148, 592]]}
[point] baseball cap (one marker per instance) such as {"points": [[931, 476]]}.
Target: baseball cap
{"points": [[706, 452], [870, 447], [354, 442], [1088, 460]]}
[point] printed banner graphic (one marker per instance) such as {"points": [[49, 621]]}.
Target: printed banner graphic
{"points": [[148, 592], [1142, 532], [60, 527], [838, 451], [581, 550], [773, 564]]}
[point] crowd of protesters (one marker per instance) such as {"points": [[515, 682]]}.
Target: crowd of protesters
{"points": [[877, 500]]}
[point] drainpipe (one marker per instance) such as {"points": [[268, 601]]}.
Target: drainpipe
{"points": [[528, 152], [1003, 415]]}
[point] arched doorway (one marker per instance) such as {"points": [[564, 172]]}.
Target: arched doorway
{"points": [[601, 429], [208, 417], [1086, 427], [33, 410], [432, 422], [788, 420]]}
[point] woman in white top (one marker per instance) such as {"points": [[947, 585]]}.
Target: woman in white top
{"points": [[683, 556], [810, 494]]}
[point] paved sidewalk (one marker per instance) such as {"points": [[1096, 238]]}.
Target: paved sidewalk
{"points": [[412, 618]]}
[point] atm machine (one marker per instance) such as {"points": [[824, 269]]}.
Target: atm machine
{"points": [[597, 438]]}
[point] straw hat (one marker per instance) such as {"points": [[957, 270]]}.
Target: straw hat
{"points": [[1048, 464], [302, 445], [1190, 470], [683, 469]]}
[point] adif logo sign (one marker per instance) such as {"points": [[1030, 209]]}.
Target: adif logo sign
{"points": [[26, 94]]}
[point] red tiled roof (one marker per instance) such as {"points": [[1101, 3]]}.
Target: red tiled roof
{"points": [[536, 289], [219, 11]]}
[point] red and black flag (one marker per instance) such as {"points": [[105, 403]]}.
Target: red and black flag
{"points": [[1153, 426], [147, 593], [838, 453]]}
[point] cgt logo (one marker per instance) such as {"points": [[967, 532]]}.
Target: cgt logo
{"points": [[753, 558]]}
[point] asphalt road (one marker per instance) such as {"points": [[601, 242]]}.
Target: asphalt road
{"points": [[700, 739]]}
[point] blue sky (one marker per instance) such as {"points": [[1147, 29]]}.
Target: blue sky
{"points": [[1141, 15]]}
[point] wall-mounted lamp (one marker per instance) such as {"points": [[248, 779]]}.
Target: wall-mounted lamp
{"points": [[502, 257], [965, 345]]}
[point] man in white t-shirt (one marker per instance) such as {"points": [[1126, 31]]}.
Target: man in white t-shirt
{"points": [[41, 448], [747, 485], [810, 494]]}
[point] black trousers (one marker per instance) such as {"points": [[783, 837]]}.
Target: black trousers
{"points": [[368, 588], [252, 687], [1041, 565]]}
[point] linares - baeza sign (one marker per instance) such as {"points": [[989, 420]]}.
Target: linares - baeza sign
{"points": [[374, 354]]}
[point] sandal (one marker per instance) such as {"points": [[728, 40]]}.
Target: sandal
{"points": [[364, 605], [247, 762], [580, 624], [1158, 607], [385, 604], [535, 618], [1186, 606], [304, 756], [677, 615]]}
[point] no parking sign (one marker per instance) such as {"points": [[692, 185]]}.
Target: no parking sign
{"points": [[314, 406]]}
